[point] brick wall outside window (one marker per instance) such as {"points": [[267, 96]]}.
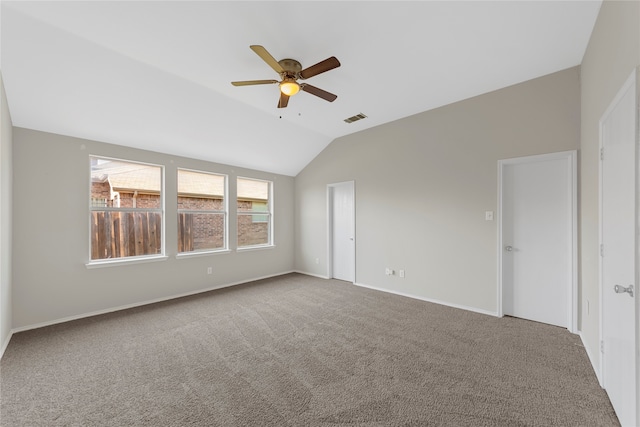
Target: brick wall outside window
{"points": [[207, 230]]}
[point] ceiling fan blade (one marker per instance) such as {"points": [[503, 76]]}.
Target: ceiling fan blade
{"points": [[254, 82], [320, 67], [266, 57], [284, 100], [328, 96]]}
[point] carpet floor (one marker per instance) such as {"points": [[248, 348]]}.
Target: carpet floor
{"points": [[299, 351]]}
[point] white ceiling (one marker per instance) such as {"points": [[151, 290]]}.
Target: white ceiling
{"points": [[156, 75]]}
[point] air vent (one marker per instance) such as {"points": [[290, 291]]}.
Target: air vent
{"points": [[355, 118]]}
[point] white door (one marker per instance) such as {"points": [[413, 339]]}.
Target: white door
{"points": [[618, 256], [342, 231], [538, 237]]}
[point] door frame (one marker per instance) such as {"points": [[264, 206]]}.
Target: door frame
{"points": [[572, 289], [633, 78], [330, 188]]}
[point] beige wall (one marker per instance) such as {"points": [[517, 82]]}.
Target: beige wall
{"points": [[51, 214], [423, 185], [5, 219], [613, 52]]}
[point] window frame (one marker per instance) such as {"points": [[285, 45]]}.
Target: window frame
{"points": [[134, 259], [225, 212], [269, 213]]}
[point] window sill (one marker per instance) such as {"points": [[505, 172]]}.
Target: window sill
{"points": [[201, 253], [112, 262], [255, 248]]}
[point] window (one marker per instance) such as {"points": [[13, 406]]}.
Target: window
{"points": [[202, 211], [255, 214], [126, 209], [98, 202], [260, 207]]}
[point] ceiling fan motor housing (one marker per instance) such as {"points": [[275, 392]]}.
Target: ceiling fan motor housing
{"points": [[291, 68]]}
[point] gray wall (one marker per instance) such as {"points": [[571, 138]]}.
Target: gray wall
{"points": [[5, 219], [423, 185], [613, 52], [51, 234]]}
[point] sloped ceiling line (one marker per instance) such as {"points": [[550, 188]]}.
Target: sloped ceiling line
{"points": [[156, 75]]}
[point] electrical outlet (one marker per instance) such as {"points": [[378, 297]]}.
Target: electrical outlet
{"points": [[209, 270]]}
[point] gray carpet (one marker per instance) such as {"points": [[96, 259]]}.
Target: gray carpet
{"points": [[299, 351]]}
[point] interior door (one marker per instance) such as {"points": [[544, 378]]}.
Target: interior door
{"points": [[342, 224], [537, 230], [618, 253]]}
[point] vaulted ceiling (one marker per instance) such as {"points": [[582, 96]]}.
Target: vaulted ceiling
{"points": [[156, 75]]}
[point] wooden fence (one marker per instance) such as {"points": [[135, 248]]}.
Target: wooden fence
{"points": [[123, 234], [198, 231], [185, 232]]}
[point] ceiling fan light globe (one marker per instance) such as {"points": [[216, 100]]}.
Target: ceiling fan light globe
{"points": [[289, 87]]}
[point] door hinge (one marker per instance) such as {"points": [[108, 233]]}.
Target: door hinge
{"points": [[602, 347], [602, 153], [601, 250]]}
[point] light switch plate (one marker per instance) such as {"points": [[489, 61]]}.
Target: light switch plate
{"points": [[488, 215]]}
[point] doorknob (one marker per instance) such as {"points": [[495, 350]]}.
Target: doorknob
{"points": [[621, 289], [508, 248]]}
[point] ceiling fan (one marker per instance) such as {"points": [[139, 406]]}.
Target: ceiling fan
{"points": [[290, 71]]}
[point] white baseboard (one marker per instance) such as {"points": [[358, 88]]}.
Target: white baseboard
{"points": [[596, 367], [320, 276], [448, 304], [138, 304], [5, 344]]}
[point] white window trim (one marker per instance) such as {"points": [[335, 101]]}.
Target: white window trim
{"points": [[269, 212], [254, 248], [109, 262], [112, 262], [225, 212], [202, 252]]}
